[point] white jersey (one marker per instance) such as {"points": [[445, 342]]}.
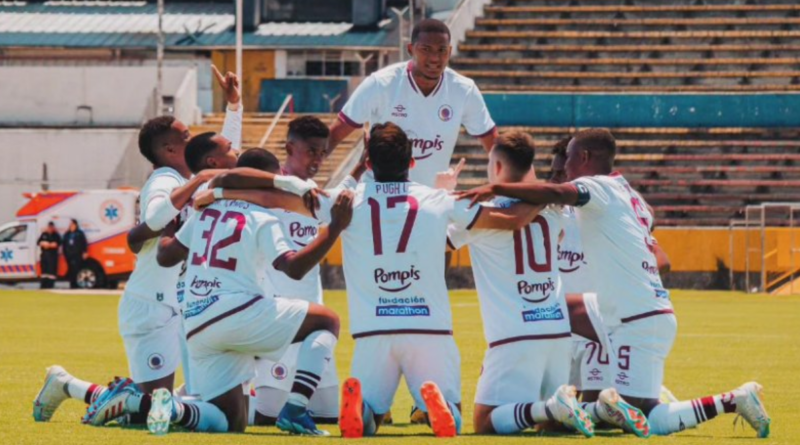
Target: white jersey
{"points": [[572, 262], [432, 123], [517, 277], [230, 245], [149, 280], [615, 230], [300, 230], [394, 257]]}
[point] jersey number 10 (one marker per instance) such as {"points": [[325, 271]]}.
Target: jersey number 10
{"points": [[519, 252]]}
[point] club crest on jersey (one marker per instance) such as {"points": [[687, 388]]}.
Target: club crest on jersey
{"points": [[445, 113], [550, 313], [155, 361], [526, 288], [399, 111], [279, 371], [397, 280]]}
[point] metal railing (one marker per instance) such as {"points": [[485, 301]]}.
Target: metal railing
{"points": [[289, 101], [463, 19]]}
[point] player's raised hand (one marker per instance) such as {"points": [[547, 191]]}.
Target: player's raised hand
{"points": [[448, 180], [342, 211], [311, 199], [476, 195], [203, 199], [229, 84]]}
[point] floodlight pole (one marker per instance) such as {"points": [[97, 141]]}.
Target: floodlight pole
{"points": [[160, 61], [239, 40]]}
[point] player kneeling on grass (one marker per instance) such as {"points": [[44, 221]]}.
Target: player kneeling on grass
{"points": [[229, 322], [614, 226], [526, 323]]}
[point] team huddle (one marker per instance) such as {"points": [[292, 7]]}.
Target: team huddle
{"points": [[227, 281]]}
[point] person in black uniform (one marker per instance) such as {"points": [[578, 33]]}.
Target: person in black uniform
{"points": [[49, 242], [75, 247]]}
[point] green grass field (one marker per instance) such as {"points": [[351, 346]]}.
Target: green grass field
{"points": [[724, 339]]}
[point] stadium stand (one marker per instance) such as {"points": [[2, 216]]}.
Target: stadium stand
{"points": [[639, 45]]}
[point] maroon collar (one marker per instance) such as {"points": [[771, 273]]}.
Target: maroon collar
{"points": [[409, 66]]}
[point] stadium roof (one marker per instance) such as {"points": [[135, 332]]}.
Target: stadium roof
{"points": [[134, 24]]}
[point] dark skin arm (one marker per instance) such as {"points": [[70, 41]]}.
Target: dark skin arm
{"points": [[297, 264], [170, 251], [270, 199], [140, 234], [339, 132], [488, 140], [532, 193]]}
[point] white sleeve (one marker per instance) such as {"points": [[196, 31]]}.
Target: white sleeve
{"points": [[457, 237], [362, 103], [461, 216], [184, 235], [592, 194], [323, 214], [348, 183], [272, 240], [232, 126], [158, 210], [476, 118]]}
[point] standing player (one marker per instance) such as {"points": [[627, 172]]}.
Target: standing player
{"points": [[425, 98], [614, 224], [305, 149], [229, 321], [149, 324], [526, 323], [398, 301]]}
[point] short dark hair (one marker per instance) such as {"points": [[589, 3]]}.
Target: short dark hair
{"points": [[259, 159], [153, 129], [429, 25], [560, 147], [307, 127], [597, 140], [389, 152], [197, 149], [517, 148]]}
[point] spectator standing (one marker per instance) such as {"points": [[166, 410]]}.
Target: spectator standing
{"points": [[75, 248], [49, 243]]}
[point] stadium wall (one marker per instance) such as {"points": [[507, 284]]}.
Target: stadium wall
{"points": [[645, 110]]}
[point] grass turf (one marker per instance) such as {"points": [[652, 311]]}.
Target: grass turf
{"points": [[724, 339]]}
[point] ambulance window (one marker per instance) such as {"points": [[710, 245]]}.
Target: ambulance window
{"points": [[14, 234]]}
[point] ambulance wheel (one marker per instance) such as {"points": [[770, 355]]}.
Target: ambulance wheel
{"points": [[91, 276]]}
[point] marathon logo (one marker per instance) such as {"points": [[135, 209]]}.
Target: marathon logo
{"points": [[203, 288], [525, 288], [395, 281], [195, 308], [662, 293], [402, 311], [552, 313], [426, 144], [567, 256]]}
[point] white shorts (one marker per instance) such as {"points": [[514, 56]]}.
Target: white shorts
{"points": [[591, 366], [523, 371], [380, 360], [641, 348], [280, 374], [151, 333], [223, 354]]}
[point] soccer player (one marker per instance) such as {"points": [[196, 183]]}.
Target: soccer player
{"points": [[428, 100], [229, 321], [526, 324], [614, 225], [148, 312], [305, 148], [399, 310]]}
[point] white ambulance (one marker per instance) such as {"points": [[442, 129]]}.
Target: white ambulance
{"points": [[105, 216]]}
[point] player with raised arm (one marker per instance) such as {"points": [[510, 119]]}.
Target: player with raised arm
{"points": [[425, 98], [526, 324], [399, 310], [229, 320], [615, 225], [149, 324]]}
